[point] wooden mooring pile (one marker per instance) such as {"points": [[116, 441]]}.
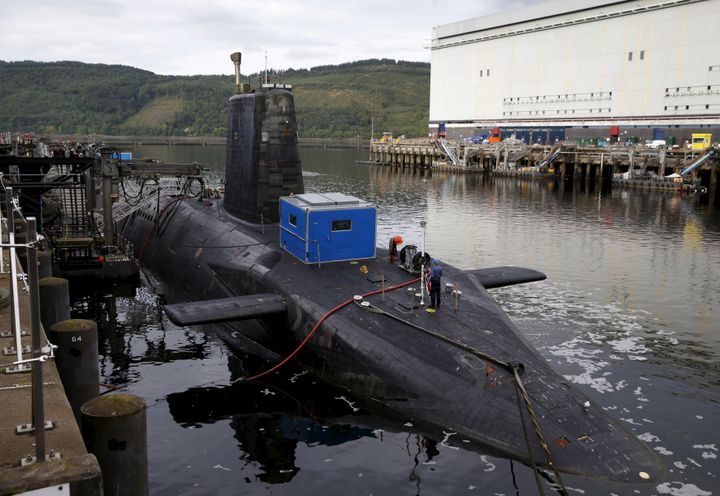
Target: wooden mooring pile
{"points": [[586, 166]]}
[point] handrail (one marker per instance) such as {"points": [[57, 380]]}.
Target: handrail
{"points": [[694, 164], [39, 352]]}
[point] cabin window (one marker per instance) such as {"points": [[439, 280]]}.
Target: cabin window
{"points": [[342, 225], [292, 220]]}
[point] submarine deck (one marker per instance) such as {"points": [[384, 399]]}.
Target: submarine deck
{"points": [[451, 377]]}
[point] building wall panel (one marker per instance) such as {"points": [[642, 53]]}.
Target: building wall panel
{"points": [[653, 63]]}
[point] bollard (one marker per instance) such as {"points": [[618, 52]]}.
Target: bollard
{"points": [[55, 298], [44, 259], [77, 360], [44, 263], [114, 428]]}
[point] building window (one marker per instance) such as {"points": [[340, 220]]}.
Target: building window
{"points": [[292, 220], [642, 54], [481, 71], [487, 73], [629, 56], [342, 225]]}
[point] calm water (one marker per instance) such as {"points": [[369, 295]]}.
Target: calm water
{"points": [[629, 313]]}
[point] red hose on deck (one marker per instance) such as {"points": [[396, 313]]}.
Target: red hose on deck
{"points": [[317, 326]]}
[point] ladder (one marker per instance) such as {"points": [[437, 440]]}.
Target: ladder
{"points": [[73, 205]]}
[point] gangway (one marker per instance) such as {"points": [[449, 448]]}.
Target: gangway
{"points": [[694, 164], [554, 152], [449, 152]]}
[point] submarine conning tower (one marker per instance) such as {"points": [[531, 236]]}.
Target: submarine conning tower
{"points": [[263, 161]]}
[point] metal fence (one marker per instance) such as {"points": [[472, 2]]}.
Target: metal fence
{"points": [[41, 349]]}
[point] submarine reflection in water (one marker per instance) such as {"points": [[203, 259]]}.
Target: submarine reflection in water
{"points": [[269, 422], [470, 371]]}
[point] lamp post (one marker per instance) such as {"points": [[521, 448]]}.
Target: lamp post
{"points": [[422, 265]]}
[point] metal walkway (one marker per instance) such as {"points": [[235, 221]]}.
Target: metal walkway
{"points": [[449, 152], [554, 152], [694, 164]]}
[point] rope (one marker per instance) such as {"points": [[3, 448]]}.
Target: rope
{"points": [[510, 367], [538, 431], [155, 225], [452, 342], [541, 490]]}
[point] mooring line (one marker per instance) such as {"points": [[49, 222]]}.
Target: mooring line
{"points": [[514, 368]]}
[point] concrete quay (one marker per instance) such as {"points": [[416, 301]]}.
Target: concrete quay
{"points": [[69, 466]]}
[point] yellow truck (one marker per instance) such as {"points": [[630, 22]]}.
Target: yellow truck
{"points": [[700, 141]]}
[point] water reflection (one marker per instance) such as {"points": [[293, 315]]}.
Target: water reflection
{"points": [[269, 421], [131, 330]]}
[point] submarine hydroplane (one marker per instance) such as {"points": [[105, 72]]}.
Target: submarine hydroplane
{"points": [[307, 267]]}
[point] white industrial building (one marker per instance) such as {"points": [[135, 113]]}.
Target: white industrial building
{"points": [[580, 65]]}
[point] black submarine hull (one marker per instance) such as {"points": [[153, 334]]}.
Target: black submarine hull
{"points": [[447, 370], [205, 253]]}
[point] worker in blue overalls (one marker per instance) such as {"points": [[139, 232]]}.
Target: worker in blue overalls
{"points": [[435, 285]]}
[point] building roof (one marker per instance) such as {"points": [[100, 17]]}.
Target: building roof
{"points": [[542, 10]]}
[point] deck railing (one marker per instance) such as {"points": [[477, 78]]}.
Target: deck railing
{"points": [[39, 352]]}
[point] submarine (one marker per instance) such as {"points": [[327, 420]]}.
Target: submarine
{"points": [[306, 268]]}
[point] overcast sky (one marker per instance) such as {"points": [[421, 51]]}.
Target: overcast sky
{"points": [[180, 37]]}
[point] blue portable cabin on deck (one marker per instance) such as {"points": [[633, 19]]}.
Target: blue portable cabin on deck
{"points": [[327, 227]]}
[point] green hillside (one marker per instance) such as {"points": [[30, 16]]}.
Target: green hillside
{"points": [[337, 101]]}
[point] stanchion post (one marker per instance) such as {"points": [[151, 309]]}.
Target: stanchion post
{"points": [[14, 314], [38, 406]]}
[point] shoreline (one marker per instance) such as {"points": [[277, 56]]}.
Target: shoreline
{"points": [[201, 140]]}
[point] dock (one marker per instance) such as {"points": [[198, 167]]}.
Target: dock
{"points": [[68, 468], [75, 194], [587, 167]]}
